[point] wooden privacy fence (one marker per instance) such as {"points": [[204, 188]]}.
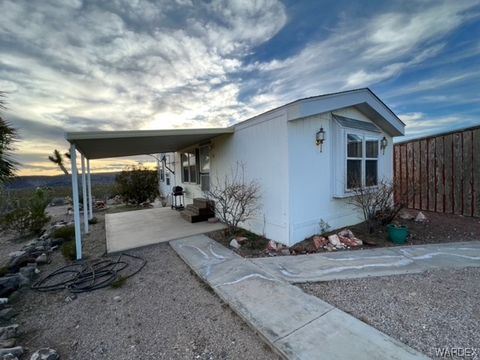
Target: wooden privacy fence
{"points": [[440, 173]]}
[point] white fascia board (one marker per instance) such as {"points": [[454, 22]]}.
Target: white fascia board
{"points": [[84, 135], [363, 99]]}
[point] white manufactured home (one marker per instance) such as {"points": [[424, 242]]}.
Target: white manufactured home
{"points": [[305, 156]]}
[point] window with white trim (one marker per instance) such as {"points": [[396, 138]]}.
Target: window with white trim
{"points": [[189, 167], [361, 160]]}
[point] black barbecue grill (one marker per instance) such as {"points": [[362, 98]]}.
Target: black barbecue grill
{"points": [[178, 198]]}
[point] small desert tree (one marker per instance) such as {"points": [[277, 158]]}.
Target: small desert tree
{"points": [[58, 160], [376, 203], [137, 184], [236, 200]]}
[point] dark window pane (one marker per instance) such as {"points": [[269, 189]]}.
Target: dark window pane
{"points": [[185, 177], [205, 159], [371, 148], [193, 168], [371, 175], [354, 174], [354, 145]]}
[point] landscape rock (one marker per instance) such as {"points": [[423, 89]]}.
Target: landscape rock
{"points": [[420, 217], [319, 242], [16, 254], [56, 242], [117, 298], [213, 220], [45, 354], [70, 298], [9, 284], [271, 246], [8, 332], [16, 351], [42, 259], [406, 215], [241, 239], [7, 313], [234, 244], [7, 343], [351, 242], [9, 357], [335, 241], [21, 261], [346, 233], [28, 272], [329, 247]]}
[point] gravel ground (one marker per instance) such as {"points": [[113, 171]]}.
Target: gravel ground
{"points": [[164, 312], [432, 310]]}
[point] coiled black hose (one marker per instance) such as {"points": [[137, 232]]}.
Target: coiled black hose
{"points": [[88, 275]]}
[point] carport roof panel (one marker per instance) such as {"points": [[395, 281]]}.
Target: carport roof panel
{"points": [[107, 144]]}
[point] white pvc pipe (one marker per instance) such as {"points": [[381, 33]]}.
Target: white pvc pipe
{"points": [[85, 200], [76, 203], [89, 186]]}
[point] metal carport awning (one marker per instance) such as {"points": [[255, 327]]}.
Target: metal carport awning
{"points": [[109, 144]]}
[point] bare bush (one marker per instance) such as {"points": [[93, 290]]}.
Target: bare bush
{"points": [[236, 200], [376, 203]]}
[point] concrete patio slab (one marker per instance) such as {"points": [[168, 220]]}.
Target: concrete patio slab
{"points": [[296, 325], [374, 262], [337, 335], [132, 229]]}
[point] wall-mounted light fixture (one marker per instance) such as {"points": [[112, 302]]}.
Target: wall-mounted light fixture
{"points": [[320, 137], [383, 144]]}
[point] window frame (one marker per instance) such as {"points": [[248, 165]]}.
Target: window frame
{"points": [[189, 154], [365, 136]]}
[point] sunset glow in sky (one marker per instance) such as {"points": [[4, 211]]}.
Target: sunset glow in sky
{"points": [[73, 65]]}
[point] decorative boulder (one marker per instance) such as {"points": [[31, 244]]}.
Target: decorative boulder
{"points": [[234, 244], [346, 233], [420, 217], [335, 241], [271, 246], [16, 351], [45, 354], [241, 239], [8, 332], [319, 242]]}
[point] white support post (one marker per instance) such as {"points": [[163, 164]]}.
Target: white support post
{"points": [[85, 200], [89, 186], [76, 202]]}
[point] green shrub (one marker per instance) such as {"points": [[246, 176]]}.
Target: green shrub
{"points": [[67, 233], [38, 215], [69, 250], [17, 219], [27, 216], [137, 184]]}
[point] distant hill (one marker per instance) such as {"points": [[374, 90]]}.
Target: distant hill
{"points": [[28, 182]]}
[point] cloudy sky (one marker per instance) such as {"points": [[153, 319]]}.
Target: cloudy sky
{"points": [[139, 64]]}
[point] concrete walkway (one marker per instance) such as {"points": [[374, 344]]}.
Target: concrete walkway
{"points": [[133, 229], [374, 262], [295, 324]]}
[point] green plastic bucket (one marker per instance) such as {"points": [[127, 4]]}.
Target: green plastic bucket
{"points": [[397, 233]]}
